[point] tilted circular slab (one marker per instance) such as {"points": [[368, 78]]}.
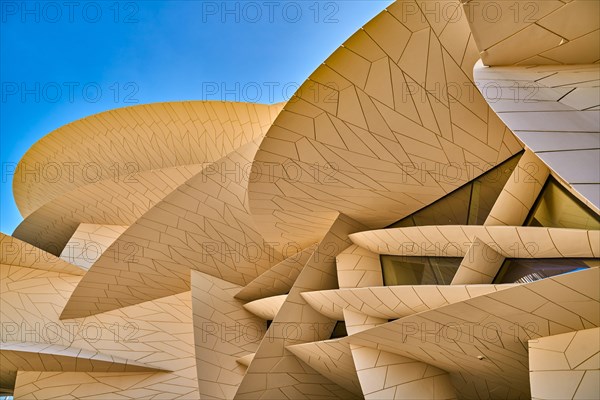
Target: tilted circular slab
{"points": [[157, 335], [495, 326], [266, 308], [16, 252], [116, 143], [203, 225], [111, 167], [388, 124], [278, 279], [555, 111], [455, 240], [29, 356], [535, 32], [89, 242], [107, 203], [389, 302], [332, 359]]}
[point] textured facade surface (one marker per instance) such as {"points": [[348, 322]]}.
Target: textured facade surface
{"points": [[419, 221]]}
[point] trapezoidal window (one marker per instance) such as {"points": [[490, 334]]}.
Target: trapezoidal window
{"points": [[405, 270], [339, 330], [556, 207], [470, 204]]}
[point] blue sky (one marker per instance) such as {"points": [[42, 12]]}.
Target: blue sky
{"points": [[61, 62]]}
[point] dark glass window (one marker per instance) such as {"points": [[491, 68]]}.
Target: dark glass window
{"points": [[404, 270], [470, 204], [523, 270], [339, 330], [557, 208]]}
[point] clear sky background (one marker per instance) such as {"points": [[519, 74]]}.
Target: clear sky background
{"points": [[62, 62]]}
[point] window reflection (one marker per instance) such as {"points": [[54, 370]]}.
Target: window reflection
{"points": [[557, 208], [404, 270], [339, 330], [524, 270], [468, 205]]}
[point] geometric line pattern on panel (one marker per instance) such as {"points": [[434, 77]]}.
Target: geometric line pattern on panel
{"points": [[506, 241], [536, 32], [565, 366], [555, 112], [374, 129], [111, 167], [481, 327], [204, 225], [189, 250]]}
